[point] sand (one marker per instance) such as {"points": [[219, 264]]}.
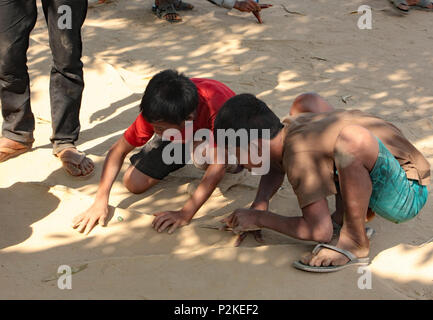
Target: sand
{"points": [[386, 71]]}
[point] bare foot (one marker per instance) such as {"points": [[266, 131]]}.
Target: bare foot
{"points": [[75, 162]]}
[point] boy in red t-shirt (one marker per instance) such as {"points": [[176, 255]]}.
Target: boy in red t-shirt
{"points": [[169, 101]]}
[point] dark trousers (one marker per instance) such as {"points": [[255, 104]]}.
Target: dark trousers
{"points": [[17, 19]]}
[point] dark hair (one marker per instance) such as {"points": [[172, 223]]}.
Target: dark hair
{"points": [[169, 97], [245, 111]]}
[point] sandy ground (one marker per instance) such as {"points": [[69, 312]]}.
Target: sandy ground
{"points": [[386, 71]]}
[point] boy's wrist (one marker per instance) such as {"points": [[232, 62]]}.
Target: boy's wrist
{"points": [[260, 205], [259, 219], [101, 200], [186, 214]]}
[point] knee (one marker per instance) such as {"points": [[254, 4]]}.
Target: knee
{"points": [[67, 57], [131, 184]]}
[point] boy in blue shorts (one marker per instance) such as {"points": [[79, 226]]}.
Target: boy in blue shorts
{"points": [[365, 161]]}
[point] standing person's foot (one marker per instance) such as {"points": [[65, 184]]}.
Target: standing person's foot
{"points": [[11, 149], [181, 5], [400, 6], [426, 5], [178, 5], [404, 6], [167, 12], [76, 163]]}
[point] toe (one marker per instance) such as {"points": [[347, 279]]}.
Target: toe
{"points": [[326, 262], [305, 259], [72, 169], [316, 261], [87, 166]]}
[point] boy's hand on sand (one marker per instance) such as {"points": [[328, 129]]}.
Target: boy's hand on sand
{"points": [[257, 234], [86, 221], [251, 6], [171, 220], [244, 222]]}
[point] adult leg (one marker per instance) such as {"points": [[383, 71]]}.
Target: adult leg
{"points": [[17, 19], [310, 102], [166, 9], [356, 151], [66, 81]]}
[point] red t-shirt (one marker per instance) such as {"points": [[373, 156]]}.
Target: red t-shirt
{"points": [[212, 95]]}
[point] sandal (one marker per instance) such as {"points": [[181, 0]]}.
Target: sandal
{"points": [[12, 152], [168, 9], [353, 260], [397, 3]]}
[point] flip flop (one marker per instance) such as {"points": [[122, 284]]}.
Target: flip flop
{"points": [[353, 260], [368, 231], [162, 11], [12, 153], [396, 3], [423, 5], [71, 162]]}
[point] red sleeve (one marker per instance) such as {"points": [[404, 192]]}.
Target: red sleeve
{"points": [[219, 97], [139, 132]]}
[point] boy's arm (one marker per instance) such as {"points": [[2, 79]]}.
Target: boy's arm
{"points": [[98, 212], [213, 175], [268, 186], [315, 223], [243, 5]]}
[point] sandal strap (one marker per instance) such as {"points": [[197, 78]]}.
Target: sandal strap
{"points": [[9, 150], [346, 253]]}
